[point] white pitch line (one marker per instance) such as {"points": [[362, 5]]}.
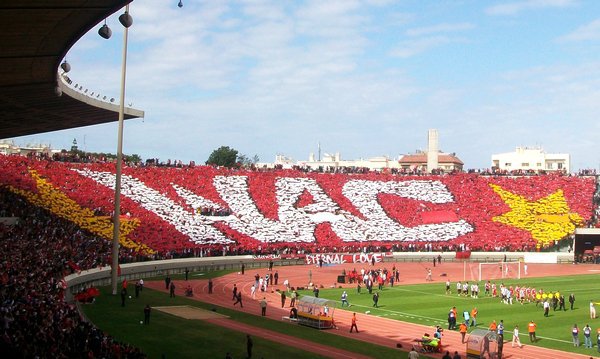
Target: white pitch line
{"points": [[408, 315], [548, 338]]}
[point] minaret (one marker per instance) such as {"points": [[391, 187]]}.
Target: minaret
{"points": [[319, 145], [432, 150]]}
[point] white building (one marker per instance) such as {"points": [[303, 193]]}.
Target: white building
{"points": [[532, 158], [333, 161], [8, 147], [428, 161]]}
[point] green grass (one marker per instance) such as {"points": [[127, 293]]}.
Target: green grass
{"points": [[425, 304], [428, 304], [175, 337]]}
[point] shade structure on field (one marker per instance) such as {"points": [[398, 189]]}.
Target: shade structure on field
{"points": [[482, 343], [316, 312]]}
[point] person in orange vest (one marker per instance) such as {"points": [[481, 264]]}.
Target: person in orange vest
{"points": [[353, 323], [462, 328], [531, 328], [493, 326], [474, 313]]}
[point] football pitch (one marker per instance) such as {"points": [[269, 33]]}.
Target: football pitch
{"points": [[428, 304], [170, 336]]}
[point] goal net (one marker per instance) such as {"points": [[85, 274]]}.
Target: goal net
{"points": [[499, 270]]}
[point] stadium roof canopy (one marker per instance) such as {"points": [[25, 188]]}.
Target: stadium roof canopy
{"points": [[35, 35]]}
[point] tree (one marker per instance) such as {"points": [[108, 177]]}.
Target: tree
{"points": [[223, 156], [135, 158], [246, 161]]}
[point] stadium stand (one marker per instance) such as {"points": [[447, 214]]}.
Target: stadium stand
{"points": [[240, 212], [35, 254], [64, 211]]}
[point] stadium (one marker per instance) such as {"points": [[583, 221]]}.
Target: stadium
{"points": [[201, 238]]}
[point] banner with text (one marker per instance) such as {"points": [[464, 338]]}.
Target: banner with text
{"points": [[333, 258]]}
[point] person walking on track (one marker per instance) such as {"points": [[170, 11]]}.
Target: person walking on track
{"points": [[353, 326]]}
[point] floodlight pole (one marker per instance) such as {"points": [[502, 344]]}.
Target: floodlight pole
{"points": [[117, 210]]}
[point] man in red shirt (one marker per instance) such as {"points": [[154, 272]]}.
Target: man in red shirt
{"points": [[353, 323]]}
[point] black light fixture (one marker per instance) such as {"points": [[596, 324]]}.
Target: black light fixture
{"points": [[65, 66], [125, 19], [180, 4], [105, 32]]}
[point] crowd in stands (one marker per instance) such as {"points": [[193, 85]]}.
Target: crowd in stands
{"points": [[204, 210], [88, 157], [35, 254], [595, 222]]}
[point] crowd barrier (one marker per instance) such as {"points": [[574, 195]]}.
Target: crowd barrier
{"points": [[132, 271]]}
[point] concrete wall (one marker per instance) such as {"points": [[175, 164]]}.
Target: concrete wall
{"points": [[133, 271]]}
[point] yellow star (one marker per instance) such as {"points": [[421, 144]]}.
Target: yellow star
{"points": [[547, 219], [52, 199]]}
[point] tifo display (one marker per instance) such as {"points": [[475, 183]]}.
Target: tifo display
{"points": [[235, 211]]}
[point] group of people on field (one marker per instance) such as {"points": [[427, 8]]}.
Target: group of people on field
{"points": [[588, 336], [509, 294]]}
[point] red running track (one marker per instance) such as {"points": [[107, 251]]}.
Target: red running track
{"points": [[373, 329]]}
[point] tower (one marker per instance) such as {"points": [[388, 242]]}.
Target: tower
{"points": [[432, 150]]}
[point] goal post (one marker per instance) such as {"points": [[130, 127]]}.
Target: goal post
{"points": [[499, 270]]}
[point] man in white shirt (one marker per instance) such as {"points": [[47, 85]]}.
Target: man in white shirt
{"points": [[286, 284], [516, 340], [345, 299]]}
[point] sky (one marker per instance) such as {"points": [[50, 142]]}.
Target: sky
{"points": [[363, 78]]}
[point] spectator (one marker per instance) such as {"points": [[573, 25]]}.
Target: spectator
{"points": [[39, 247], [263, 307]]}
